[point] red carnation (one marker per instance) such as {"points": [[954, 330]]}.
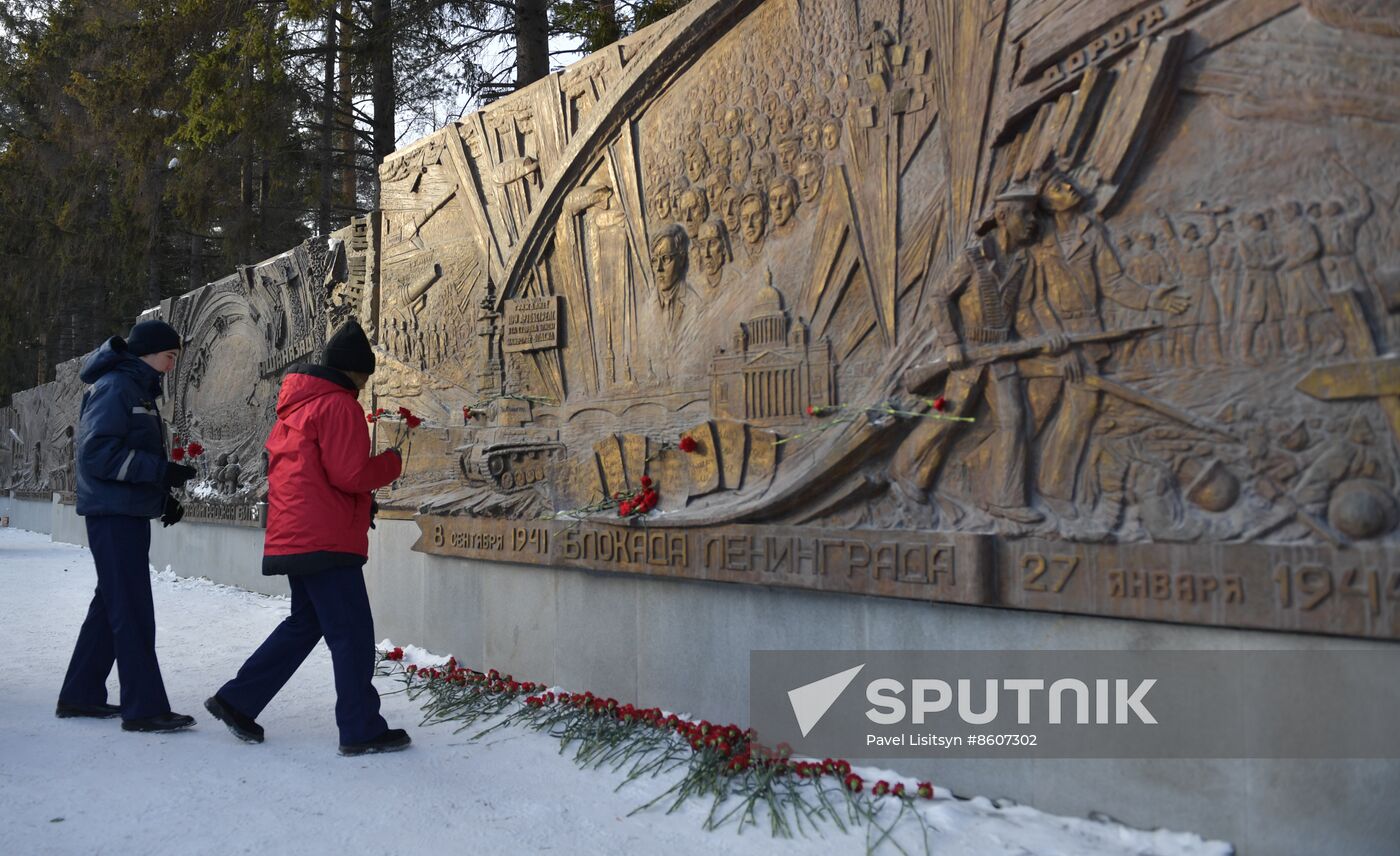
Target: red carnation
{"points": [[940, 404], [688, 444], [646, 481], [177, 454], [413, 421], [853, 783], [898, 789], [177, 440], [195, 450], [881, 788], [926, 790], [466, 413], [625, 508], [369, 417], [396, 654]]}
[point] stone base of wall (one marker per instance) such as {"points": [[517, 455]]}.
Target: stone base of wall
{"points": [[685, 646]]}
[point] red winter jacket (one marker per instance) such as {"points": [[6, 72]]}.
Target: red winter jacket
{"points": [[320, 475]]}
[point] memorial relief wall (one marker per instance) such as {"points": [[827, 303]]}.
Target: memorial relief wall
{"points": [[1083, 306]]}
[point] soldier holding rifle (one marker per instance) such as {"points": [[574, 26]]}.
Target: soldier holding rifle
{"points": [[983, 293]]}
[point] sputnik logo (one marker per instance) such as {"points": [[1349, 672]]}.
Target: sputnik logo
{"points": [[810, 702]]}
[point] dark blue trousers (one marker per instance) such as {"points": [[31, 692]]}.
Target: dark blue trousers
{"points": [[334, 604], [120, 624]]}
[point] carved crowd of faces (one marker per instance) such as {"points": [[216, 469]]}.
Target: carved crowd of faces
{"points": [[753, 150]]}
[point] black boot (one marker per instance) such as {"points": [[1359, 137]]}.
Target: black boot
{"points": [[243, 727], [162, 722], [393, 740], [68, 710]]}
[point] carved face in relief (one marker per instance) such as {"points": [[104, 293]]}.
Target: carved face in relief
{"points": [[1060, 194], [791, 90], [729, 208], [809, 178], [1314, 210], [756, 127], [1191, 234], [788, 152], [712, 246], [799, 112], [763, 169], [782, 200], [1017, 220], [668, 258], [661, 203], [812, 135], [753, 217], [697, 162], [1125, 245], [714, 189], [1257, 222], [717, 149], [831, 135], [782, 120], [693, 209], [732, 122]]}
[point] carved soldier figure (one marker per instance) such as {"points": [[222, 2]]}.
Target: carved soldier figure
{"points": [[1195, 332], [877, 52], [1309, 318], [977, 305], [1148, 268], [1073, 267], [1339, 227], [1261, 303]]}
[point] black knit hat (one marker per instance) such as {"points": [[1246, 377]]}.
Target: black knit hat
{"points": [[152, 337], [348, 349]]}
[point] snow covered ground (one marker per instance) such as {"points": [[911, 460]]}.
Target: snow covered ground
{"points": [[85, 786]]}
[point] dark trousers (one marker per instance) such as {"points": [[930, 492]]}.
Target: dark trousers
{"points": [[120, 624], [334, 604]]}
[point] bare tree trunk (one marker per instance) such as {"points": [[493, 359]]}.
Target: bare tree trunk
{"points": [[346, 142], [382, 88], [323, 213], [531, 41]]}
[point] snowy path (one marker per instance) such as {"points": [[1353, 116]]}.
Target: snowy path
{"points": [[85, 786]]}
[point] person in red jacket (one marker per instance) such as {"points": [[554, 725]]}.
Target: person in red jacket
{"points": [[319, 481]]}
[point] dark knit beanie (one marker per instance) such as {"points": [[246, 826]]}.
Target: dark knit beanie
{"points": [[152, 337], [348, 349]]}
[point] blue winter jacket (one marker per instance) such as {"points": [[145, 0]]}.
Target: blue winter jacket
{"points": [[121, 451]]}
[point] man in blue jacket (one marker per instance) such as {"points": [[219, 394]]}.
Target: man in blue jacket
{"points": [[124, 480]]}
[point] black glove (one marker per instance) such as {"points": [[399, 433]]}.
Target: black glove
{"points": [[373, 510], [177, 474], [172, 512]]}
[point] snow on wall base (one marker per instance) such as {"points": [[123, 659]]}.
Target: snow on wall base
{"points": [[32, 514], [685, 646]]}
